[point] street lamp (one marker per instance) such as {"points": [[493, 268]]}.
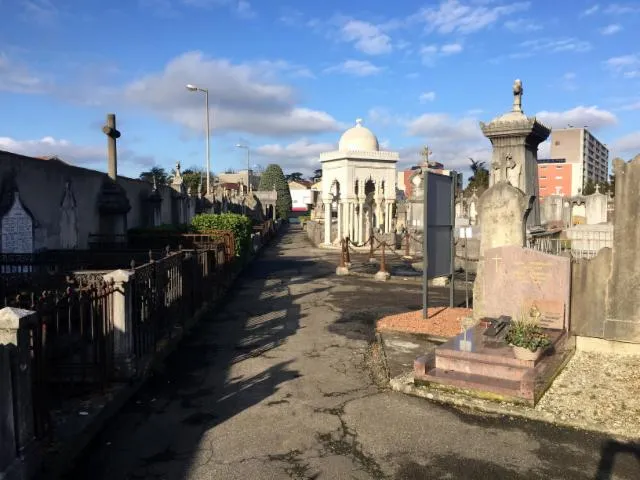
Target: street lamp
{"points": [[193, 88], [246, 147]]}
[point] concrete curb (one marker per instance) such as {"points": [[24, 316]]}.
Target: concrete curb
{"points": [[55, 464], [404, 384]]}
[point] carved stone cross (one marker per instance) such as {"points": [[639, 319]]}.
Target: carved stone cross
{"points": [[425, 155], [504, 166], [112, 134]]}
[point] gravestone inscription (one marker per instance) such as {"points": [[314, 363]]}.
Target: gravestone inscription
{"points": [[518, 279], [17, 229]]}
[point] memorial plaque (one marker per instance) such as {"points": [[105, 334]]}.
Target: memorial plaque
{"points": [[517, 278], [17, 229]]}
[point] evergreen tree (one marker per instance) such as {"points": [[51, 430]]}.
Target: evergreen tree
{"points": [[273, 177], [589, 188], [480, 177], [159, 173]]}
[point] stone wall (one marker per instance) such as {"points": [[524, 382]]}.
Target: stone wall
{"points": [[606, 289], [623, 302], [41, 185]]}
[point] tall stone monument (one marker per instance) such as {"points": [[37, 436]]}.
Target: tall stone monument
{"points": [[515, 139]]}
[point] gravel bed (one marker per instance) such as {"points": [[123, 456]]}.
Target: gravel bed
{"points": [[600, 390]]}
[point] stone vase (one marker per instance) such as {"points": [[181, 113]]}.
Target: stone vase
{"points": [[522, 353]]}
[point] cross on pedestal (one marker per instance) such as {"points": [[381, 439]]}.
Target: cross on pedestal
{"points": [[496, 258], [112, 134]]}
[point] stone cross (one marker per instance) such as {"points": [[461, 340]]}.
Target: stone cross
{"points": [[517, 96], [496, 259], [112, 135], [597, 188], [425, 154], [504, 166]]}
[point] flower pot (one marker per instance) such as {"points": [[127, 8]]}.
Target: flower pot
{"points": [[522, 353]]}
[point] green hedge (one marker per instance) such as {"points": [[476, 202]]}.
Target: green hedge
{"points": [[240, 225]]}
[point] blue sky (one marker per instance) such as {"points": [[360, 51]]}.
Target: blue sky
{"points": [[287, 77]]}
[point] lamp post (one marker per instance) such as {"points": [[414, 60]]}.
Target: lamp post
{"points": [[193, 88], [246, 147]]}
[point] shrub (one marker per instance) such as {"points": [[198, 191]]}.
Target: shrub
{"points": [[273, 177], [240, 225]]}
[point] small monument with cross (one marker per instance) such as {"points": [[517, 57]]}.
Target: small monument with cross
{"points": [[515, 139]]}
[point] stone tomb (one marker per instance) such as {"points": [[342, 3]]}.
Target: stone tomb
{"points": [[514, 279]]}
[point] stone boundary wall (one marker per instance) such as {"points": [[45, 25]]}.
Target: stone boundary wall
{"points": [[605, 299]]}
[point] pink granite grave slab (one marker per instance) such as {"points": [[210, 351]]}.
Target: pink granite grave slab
{"points": [[517, 278]]}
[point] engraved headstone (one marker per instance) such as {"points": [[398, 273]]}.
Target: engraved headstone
{"points": [[17, 229], [516, 278]]}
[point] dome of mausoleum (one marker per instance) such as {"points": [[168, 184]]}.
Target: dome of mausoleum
{"points": [[358, 139]]}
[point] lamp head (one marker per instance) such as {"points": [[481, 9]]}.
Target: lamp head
{"points": [[192, 88]]}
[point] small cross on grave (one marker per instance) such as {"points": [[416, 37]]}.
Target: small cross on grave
{"points": [[496, 258]]}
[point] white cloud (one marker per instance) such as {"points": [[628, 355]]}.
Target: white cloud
{"points": [[427, 97], [69, 152], [627, 146], [557, 45], [592, 117], [544, 149], [451, 48], [301, 155], [590, 10], [611, 29], [631, 106], [367, 38], [453, 16], [622, 9], [626, 65], [429, 53], [17, 78], [242, 8], [243, 97], [452, 140], [358, 68], [522, 25], [43, 12]]}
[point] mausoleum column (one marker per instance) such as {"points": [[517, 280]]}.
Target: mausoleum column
{"points": [[327, 222], [360, 222], [340, 219]]}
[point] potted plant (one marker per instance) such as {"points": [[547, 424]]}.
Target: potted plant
{"points": [[527, 337]]}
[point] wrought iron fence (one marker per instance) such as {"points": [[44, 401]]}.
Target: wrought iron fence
{"points": [[583, 245], [71, 344]]}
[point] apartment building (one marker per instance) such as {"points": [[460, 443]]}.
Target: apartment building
{"points": [[587, 156], [555, 176]]}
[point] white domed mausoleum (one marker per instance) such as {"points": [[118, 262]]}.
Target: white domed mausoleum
{"points": [[358, 186]]}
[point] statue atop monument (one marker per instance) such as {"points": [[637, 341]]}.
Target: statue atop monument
{"points": [[517, 95]]}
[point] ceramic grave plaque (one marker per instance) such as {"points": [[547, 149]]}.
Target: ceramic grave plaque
{"points": [[17, 229]]}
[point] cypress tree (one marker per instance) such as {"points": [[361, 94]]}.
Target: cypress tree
{"points": [[273, 177]]}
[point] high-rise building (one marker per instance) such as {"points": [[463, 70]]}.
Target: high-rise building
{"points": [[588, 157]]}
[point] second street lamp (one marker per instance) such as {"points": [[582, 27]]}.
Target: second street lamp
{"points": [[246, 147], [193, 88]]}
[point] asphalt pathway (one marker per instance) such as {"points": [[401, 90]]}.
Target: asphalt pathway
{"points": [[280, 383]]}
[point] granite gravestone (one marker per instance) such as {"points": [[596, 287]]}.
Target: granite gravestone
{"points": [[17, 229], [516, 279]]}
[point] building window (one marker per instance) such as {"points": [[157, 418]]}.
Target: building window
{"points": [[543, 178], [558, 178]]}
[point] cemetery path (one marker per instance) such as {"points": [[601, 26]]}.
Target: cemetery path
{"points": [[279, 384]]}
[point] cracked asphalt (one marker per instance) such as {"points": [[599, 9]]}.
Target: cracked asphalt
{"points": [[283, 382]]}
